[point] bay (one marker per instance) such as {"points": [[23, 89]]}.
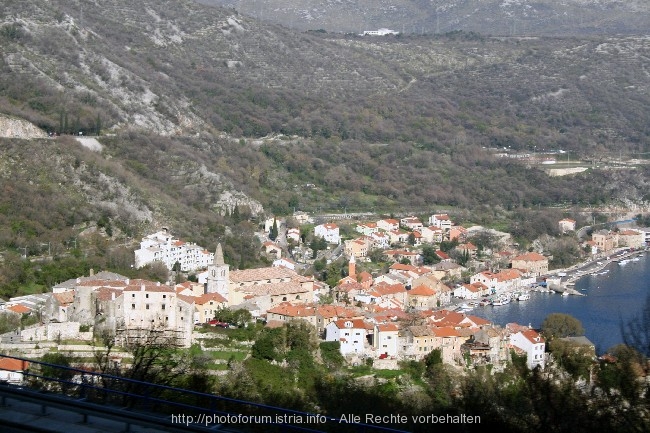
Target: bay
{"points": [[612, 299]]}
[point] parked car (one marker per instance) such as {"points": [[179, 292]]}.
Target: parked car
{"points": [[215, 322]]}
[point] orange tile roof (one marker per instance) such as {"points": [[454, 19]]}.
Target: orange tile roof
{"points": [[389, 289], [402, 267], [508, 274], [356, 324], [207, 297], [291, 310], [479, 321], [10, 364], [387, 327], [530, 257], [106, 293], [533, 336], [185, 298], [331, 311], [19, 308], [422, 290], [445, 331], [262, 274], [64, 298]]}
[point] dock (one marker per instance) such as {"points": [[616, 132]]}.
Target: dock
{"points": [[562, 288]]}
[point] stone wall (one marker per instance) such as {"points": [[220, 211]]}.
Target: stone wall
{"points": [[51, 332]]}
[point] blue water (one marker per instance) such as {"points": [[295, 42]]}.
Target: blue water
{"points": [[612, 299]]}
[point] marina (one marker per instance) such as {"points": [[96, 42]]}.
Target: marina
{"points": [[611, 295]]}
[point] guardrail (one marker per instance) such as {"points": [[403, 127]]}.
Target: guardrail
{"points": [[136, 402]]}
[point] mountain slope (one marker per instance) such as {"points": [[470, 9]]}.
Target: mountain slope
{"points": [[181, 95], [494, 17]]}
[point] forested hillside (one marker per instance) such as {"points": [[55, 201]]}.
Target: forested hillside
{"points": [[201, 111]]}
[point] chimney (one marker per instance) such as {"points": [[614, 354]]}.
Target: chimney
{"points": [[158, 283], [112, 296], [127, 281], [142, 287]]}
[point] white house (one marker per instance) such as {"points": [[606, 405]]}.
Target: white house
{"points": [[162, 247], [432, 234], [350, 333], [567, 225], [385, 339], [440, 220], [380, 32], [471, 291], [11, 370], [286, 262], [412, 223], [388, 225], [329, 232], [293, 234], [531, 343], [504, 280], [381, 240], [367, 228]]}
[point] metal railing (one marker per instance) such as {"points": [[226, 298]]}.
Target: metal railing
{"points": [[144, 403]]}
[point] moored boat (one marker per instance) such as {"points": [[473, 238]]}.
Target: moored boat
{"points": [[524, 296]]}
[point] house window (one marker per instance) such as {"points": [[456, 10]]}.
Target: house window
{"points": [[163, 306], [389, 337], [147, 295], [164, 296], [147, 306], [133, 306], [133, 295], [284, 298]]}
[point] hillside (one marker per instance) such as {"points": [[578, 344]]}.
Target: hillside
{"points": [[494, 17], [181, 95], [180, 68]]}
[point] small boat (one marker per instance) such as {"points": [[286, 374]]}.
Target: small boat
{"points": [[524, 296], [501, 300]]}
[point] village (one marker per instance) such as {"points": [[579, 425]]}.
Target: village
{"points": [[404, 314]]}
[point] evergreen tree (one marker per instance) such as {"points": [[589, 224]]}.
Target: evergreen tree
{"points": [[273, 234], [98, 125]]}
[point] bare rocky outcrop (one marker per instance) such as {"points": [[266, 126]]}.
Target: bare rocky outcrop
{"points": [[16, 128]]}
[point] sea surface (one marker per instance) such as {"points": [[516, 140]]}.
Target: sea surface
{"points": [[612, 299]]}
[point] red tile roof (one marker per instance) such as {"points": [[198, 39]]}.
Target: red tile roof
{"points": [[10, 364], [19, 308]]}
